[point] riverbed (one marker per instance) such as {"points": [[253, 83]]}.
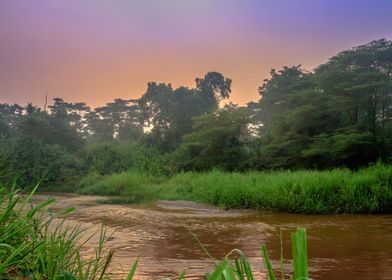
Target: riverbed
{"points": [[339, 246]]}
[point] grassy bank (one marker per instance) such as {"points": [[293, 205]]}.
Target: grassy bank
{"points": [[368, 190]]}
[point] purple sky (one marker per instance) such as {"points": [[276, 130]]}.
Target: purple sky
{"points": [[96, 50]]}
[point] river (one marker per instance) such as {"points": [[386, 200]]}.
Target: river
{"points": [[339, 246]]}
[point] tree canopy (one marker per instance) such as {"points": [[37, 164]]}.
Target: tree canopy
{"points": [[339, 114]]}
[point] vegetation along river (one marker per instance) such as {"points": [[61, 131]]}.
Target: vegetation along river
{"points": [[339, 246]]}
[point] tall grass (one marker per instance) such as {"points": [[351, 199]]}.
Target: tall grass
{"points": [[367, 190], [35, 244], [134, 187]]}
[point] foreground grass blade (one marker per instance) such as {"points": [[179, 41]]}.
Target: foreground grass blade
{"points": [[281, 254], [203, 247], [217, 274], [181, 276], [300, 255], [37, 245], [133, 269], [267, 262]]}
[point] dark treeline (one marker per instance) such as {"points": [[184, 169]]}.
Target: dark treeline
{"points": [[339, 115]]}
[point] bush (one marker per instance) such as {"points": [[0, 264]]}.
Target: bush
{"points": [[117, 156], [136, 187], [32, 160], [108, 157]]}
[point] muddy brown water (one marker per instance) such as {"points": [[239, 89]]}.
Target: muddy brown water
{"points": [[339, 246]]}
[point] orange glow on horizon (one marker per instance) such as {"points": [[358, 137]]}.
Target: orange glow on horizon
{"points": [[95, 51]]}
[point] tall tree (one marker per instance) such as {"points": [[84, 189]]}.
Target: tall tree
{"points": [[4, 128], [213, 88], [338, 115], [168, 113], [120, 119], [218, 140], [70, 114], [11, 113]]}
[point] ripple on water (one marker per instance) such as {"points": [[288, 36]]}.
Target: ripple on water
{"points": [[340, 247]]}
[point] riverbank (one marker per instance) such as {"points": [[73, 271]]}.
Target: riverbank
{"points": [[366, 191]]}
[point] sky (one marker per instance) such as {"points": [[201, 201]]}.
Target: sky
{"points": [[96, 50]]}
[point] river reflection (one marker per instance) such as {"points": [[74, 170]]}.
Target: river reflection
{"points": [[340, 247]]}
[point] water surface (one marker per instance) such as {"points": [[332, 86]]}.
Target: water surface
{"points": [[339, 246]]}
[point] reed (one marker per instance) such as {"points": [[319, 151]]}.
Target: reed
{"points": [[37, 244]]}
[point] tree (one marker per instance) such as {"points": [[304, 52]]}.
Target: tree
{"points": [[31, 160], [338, 115], [97, 127], [68, 114], [284, 100], [168, 112], [11, 114], [30, 109], [120, 119], [361, 79], [45, 128], [213, 88], [218, 140], [4, 129]]}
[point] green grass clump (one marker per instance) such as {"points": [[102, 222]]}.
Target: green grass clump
{"points": [[133, 186], [35, 244], [240, 269], [367, 190]]}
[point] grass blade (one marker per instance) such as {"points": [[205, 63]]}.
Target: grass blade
{"points": [[133, 269], [267, 262]]}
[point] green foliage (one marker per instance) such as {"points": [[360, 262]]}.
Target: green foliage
{"points": [[368, 190], [31, 160], [217, 141], [4, 128], [335, 191], [67, 122], [121, 119], [147, 160], [38, 148], [300, 257], [169, 112], [213, 88], [11, 114], [41, 126], [300, 254], [349, 147], [36, 245], [134, 187], [89, 181], [107, 157], [340, 115]]}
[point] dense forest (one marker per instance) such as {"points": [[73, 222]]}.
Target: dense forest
{"points": [[338, 115]]}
